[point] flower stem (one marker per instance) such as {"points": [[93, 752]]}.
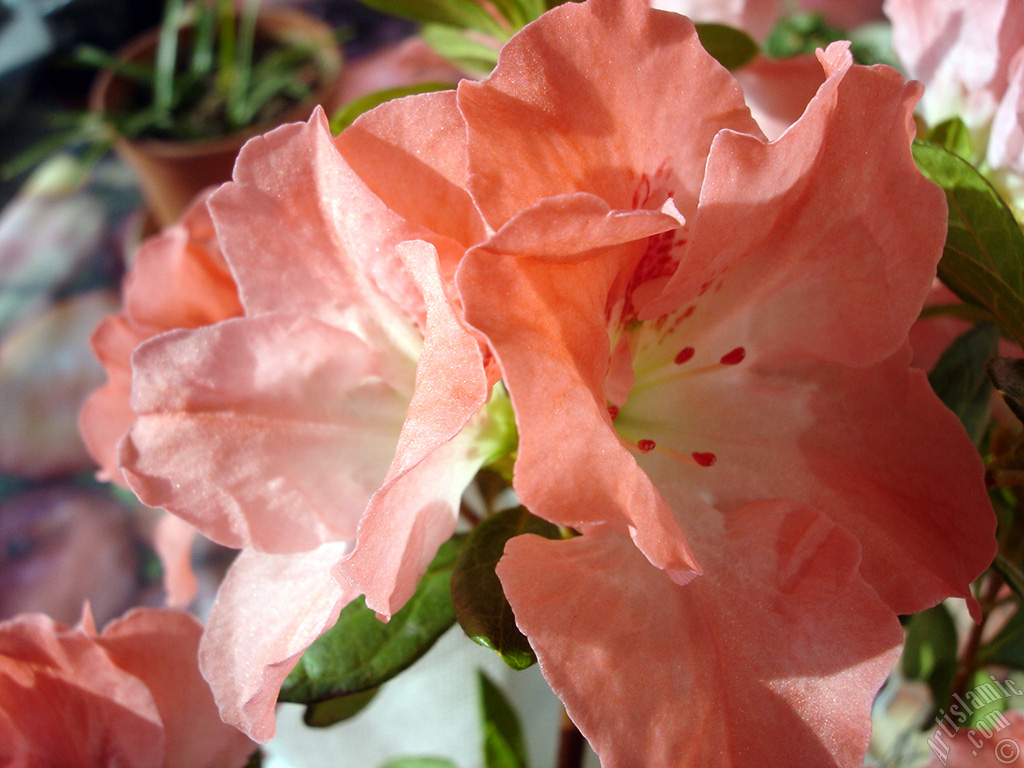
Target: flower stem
{"points": [[570, 744]]}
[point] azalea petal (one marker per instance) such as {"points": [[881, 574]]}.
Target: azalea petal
{"points": [[416, 508], [412, 154], [160, 647], [173, 539], [288, 423], [755, 17], [874, 448], [565, 434], [779, 90], [750, 664], [250, 645], [71, 705], [830, 231], [604, 97], [304, 235]]}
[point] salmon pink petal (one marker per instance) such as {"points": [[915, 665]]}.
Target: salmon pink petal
{"points": [[412, 154], [565, 435], [304, 235], [161, 647], [272, 431], [778, 90], [269, 610], [603, 97], [836, 255], [416, 508], [70, 704], [751, 664], [173, 539]]}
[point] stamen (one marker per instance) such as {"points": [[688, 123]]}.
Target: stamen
{"points": [[704, 459], [613, 411], [645, 446]]}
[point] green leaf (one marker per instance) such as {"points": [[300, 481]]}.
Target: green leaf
{"points": [[325, 713], [960, 380], [503, 734], [464, 14], [800, 33], [730, 47], [480, 603], [954, 136], [418, 762], [453, 44], [347, 115], [983, 260], [930, 653], [361, 652], [1011, 574], [1007, 374]]}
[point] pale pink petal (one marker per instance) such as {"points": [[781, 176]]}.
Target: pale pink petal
{"points": [[407, 62], [160, 647], [960, 50], [269, 609], [1006, 141], [873, 448], [415, 510], [173, 539], [751, 664], [837, 255], [288, 423], [603, 97], [755, 17]]}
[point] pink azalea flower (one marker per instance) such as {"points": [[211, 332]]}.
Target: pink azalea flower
{"points": [[131, 696], [342, 407], [704, 336], [960, 50]]}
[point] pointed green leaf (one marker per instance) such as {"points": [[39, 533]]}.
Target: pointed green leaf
{"points": [[326, 713], [960, 380], [464, 14], [1007, 374], [347, 115], [729, 46], [453, 44], [954, 136], [480, 603], [418, 762], [983, 260], [503, 734], [361, 652]]}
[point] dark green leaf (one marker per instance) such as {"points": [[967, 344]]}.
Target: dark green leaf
{"points": [[347, 115], [983, 260], [503, 734], [361, 652], [464, 14], [954, 136], [418, 762], [930, 653], [960, 380], [801, 33], [480, 603], [1007, 374], [986, 700], [453, 44], [325, 713], [730, 47]]}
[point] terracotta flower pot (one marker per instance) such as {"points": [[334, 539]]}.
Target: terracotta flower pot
{"points": [[172, 172]]}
